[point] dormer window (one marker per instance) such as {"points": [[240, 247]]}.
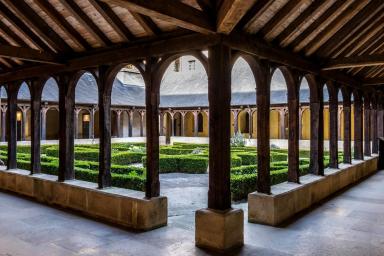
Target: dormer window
{"points": [[191, 65]]}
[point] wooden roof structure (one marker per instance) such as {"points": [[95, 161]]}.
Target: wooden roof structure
{"points": [[342, 40]]}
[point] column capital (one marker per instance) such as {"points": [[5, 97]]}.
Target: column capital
{"points": [[4, 108], [24, 108]]}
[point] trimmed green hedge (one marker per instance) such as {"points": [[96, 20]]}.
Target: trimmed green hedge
{"points": [[125, 158], [181, 163]]}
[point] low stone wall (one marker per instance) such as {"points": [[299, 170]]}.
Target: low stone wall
{"points": [[287, 199], [120, 206]]}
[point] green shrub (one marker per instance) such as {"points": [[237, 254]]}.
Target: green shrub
{"points": [[245, 169], [242, 185], [235, 161], [275, 156], [181, 163], [247, 158], [125, 158], [169, 150]]}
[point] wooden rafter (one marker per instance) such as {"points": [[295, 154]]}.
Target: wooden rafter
{"points": [[113, 20], [34, 21], [12, 35], [175, 12], [253, 14], [230, 13], [374, 81], [147, 23], [28, 54], [86, 22], [62, 23], [355, 61]]}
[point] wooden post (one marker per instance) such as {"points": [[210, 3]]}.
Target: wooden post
{"points": [[375, 142], [347, 158], [219, 96], [293, 127], [105, 88], [263, 80], [36, 90], [316, 107], [66, 127], [358, 120], [152, 102], [333, 128], [11, 125], [380, 117], [367, 125]]}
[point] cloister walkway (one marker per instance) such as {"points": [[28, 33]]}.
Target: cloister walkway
{"points": [[350, 223]]}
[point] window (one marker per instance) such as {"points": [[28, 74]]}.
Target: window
{"points": [[177, 66], [200, 123], [191, 65]]}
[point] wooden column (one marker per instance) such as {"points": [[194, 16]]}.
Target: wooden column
{"points": [[11, 125], [66, 127], [293, 127], [152, 102], [316, 108], [105, 88], [219, 96], [375, 142], [3, 122], [263, 82], [347, 158], [333, 127], [36, 91], [195, 123], [367, 125], [358, 121]]}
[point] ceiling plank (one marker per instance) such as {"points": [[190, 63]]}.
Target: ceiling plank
{"points": [[12, 35], [172, 11], [23, 28], [147, 23], [34, 21], [63, 23], [355, 61], [253, 14], [28, 54], [230, 13], [86, 22], [113, 20]]}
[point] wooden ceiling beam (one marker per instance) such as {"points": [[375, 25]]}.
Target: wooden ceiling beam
{"points": [[12, 35], [44, 31], [253, 14], [28, 54], [23, 28], [147, 24], [86, 22], [63, 23], [113, 20], [373, 81], [230, 13], [355, 61], [176, 12]]}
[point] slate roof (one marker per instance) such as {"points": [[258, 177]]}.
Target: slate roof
{"points": [[173, 89]]}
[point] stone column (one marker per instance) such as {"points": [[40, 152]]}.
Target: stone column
{"points": [[77, 111], [118, 122], [207, 114], [282, 112], [43, 114], [367, 126], [142, 114], [130, 122], [250, 132], [183, 113], [172, 114], [161, 123], [333, 127], [236, 120], [3, 122], [196, 123], [339, 116], [66, 126], [358, 120], [11, 125], [375, 142], [316, 107], [347, 158], [24, 110], [92, 112], [301, 110]]}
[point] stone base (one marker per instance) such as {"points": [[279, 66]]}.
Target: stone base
{"points": [[120, 206], [219, 230], [287, 199]]}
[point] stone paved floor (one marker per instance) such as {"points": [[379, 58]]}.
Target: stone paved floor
{"points": [[351, 223]]}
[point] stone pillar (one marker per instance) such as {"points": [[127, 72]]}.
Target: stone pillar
{"points": [[142, 114], [161, 123], [236, 120], [118, 122], [263, 92], [358, 121], [66, 126], [196, 123], [24, 110], [316, 107], [293, 127], [77, 132], [282, 112], [130, 122], [92, 112], [43, 114], [347, 158], [183, 113], [11, 125], [333, 127], [375, 142], [228, 222], [339, 116], [36, 91], [206, 112], [3, 122], [104, 104], [367, 126], [301, 110], [250, 132]]}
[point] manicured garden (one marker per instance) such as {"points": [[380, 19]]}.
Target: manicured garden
{"points": [[129, 159]]}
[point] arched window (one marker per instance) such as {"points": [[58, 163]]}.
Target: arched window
{"points": [[200, 122]]}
